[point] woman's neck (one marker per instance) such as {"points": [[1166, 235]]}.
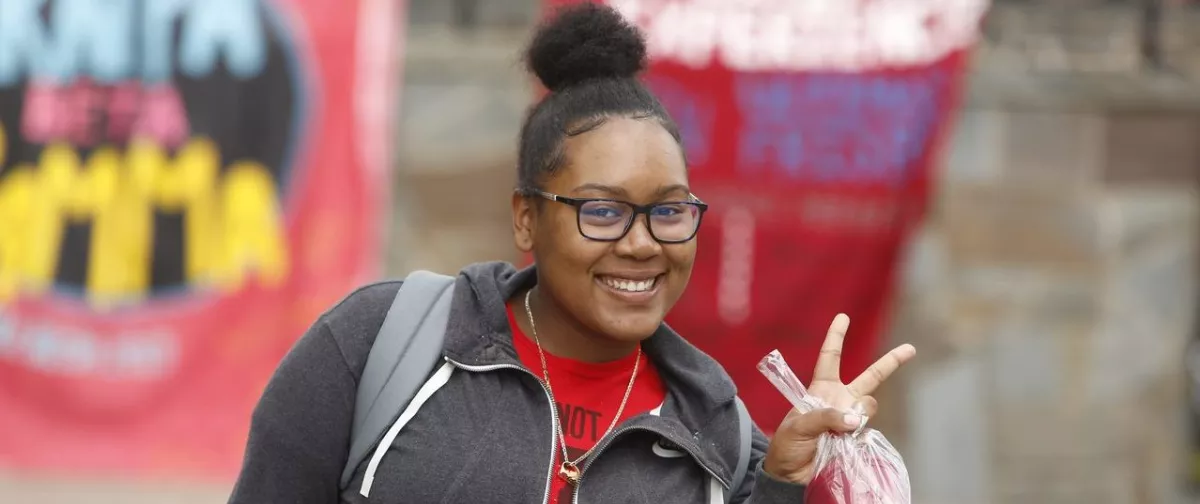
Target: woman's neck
{"points": [[563, 336]]}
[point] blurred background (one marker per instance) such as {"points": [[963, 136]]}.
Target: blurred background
{"points": [[1043, 239]]}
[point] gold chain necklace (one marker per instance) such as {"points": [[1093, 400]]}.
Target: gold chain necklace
{"points": [[569, 470]]}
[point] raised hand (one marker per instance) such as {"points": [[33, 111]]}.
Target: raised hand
{"points": [[794, 447]]}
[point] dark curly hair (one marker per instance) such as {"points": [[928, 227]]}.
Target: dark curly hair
{"points": [[588, 56]]}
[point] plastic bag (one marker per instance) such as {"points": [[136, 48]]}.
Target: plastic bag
{"points": [[862, 469]]}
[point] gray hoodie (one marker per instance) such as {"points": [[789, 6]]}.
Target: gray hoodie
{"points": [[487, 435]]}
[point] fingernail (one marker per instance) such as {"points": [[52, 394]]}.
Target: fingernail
{"points": [[859, 408], [851, 420], [841, 322]]}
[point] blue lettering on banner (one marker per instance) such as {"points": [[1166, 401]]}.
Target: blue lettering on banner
{"points": [[95, 38], [693, 113], [89, 32], [157, 33], [231, 26], [864, 129], [21, 38]]}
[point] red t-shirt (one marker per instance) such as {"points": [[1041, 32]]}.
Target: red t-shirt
{"points": [[588, 396]]}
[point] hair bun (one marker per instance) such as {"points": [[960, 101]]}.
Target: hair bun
{"points": [[583, 42]]}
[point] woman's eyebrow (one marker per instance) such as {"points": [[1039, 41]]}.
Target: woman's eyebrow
{"points": [[673, 188], [613, 190]]}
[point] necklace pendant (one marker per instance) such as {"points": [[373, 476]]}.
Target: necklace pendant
{"points": [[569, 472]]}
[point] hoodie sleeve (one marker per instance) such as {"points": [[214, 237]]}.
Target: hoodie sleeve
{"points": [[300, 429], [760, 487]]}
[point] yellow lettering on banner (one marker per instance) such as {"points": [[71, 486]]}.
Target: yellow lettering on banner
{"points": [[253, 226], [54, 183], [192, 184], [230, 226], [97, 196], [94, 189], [186, 185], [16, 203], [144, 161], [8, 232]]}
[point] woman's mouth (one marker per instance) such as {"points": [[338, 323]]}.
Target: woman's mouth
{"points": [[631, 289]]}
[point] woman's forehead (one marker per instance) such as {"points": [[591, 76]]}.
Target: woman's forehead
{"points": [[634, 156]]}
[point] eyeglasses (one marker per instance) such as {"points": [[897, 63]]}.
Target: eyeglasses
{"points": [[609, 220]]}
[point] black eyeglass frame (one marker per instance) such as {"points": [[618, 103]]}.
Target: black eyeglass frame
{"points": [[637, 210]]}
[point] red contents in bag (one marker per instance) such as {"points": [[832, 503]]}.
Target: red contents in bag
{"points": [[863, 480]]}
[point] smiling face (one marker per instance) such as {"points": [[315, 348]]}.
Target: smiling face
{"points": [[619, 289]]}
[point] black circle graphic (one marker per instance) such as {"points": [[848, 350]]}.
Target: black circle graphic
{"points": [[255, 118]]}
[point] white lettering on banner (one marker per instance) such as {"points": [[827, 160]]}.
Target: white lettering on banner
{"points": [[737, 264], [74, 352], [797, 35]]}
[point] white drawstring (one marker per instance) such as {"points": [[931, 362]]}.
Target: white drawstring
{"points": [[716, 492], [426, 391]]}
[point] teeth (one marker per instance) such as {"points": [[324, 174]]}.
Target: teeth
{"points": [[629, 285]]}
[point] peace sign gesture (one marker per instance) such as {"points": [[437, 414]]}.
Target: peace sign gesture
{"points": [[794, 447]]}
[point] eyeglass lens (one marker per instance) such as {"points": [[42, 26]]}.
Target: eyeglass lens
{"points": [[608, 220]]}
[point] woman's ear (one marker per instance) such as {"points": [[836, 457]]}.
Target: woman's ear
{"points": [[524, 216]]}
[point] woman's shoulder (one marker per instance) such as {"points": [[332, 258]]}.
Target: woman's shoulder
{"points": [[354, 322], [365, 304]]}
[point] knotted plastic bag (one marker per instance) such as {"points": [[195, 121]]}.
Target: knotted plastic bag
{"points": [[849, 469]]}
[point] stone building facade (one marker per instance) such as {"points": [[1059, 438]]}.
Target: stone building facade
{"points": [[1053, 290]]}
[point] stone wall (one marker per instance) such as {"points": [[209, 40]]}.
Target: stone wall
{"points": [[1052, 294], [464, 97], [1052, 291]]}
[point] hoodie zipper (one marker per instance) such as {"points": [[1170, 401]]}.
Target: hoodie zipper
{"points": [[611, 437], [553, 414]]}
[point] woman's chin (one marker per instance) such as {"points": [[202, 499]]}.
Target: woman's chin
{"points": [[633, 331]]}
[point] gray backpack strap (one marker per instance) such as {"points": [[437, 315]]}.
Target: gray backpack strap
{"points": [[407, 348], [745, 433]]}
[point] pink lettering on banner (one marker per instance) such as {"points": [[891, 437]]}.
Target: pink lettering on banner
{"points": [[123, 104], [85, 106], [42, 107], [162, 117], [76, 113]]}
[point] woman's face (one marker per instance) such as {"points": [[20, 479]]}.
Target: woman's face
{"points": [[632, 160]]}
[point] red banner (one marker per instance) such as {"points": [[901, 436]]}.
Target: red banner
{"points": [[184, 186], [812, 128]]}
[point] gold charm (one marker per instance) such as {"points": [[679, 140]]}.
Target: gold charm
{"points": [[569, 472]]}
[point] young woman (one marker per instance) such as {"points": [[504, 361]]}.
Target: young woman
{"points": [[603, 205]]}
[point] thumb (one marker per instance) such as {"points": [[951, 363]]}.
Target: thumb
{"points": [[817, 422]]}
